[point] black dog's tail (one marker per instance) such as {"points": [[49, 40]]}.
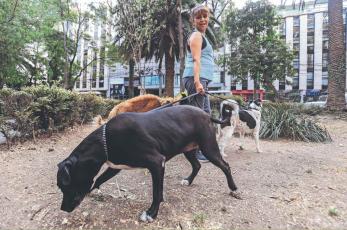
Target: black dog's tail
{"points": [[225, 121]]}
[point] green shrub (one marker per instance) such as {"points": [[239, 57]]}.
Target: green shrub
{"points": [[285, 120], [43, 110]]}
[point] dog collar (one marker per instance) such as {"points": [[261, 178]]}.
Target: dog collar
{"points": [[104, 140]]}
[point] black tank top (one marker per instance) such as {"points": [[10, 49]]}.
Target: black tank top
{"points": [[204, 44]]}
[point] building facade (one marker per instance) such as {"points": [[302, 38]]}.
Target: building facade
{"points": [[306, 31], [304, 28]]}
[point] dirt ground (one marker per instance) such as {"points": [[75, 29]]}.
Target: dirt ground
{"points": [[291, 185]]}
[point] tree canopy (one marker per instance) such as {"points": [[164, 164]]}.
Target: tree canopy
{"points": [[256, 50]]}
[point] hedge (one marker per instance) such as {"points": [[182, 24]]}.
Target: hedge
{"points": [[41, 109]]}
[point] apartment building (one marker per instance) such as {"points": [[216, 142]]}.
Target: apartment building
{"points": [[305, 30]]}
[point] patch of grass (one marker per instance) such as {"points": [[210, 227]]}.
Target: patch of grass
{"points": [[333, 211], [199, 219]]}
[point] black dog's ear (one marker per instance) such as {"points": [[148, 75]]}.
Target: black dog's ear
{"points": [[64, 176], [258, 102]]}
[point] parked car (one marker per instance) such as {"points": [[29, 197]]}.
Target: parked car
{"points": [[321, 102]]}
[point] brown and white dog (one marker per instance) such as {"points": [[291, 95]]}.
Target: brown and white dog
{"points": [[241, 122], [142, 103]]}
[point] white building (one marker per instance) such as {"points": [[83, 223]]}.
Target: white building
{"points": [[305, 30]]}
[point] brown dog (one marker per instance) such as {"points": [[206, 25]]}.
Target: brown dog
{"points": [[142, 103]]}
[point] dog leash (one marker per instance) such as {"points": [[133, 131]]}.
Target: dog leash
{"points": [[171, 103], [161, 107], [211, 94], [104, 141]]}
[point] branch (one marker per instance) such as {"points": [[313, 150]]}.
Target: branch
{"points": [[11, 17], [14, 9]]}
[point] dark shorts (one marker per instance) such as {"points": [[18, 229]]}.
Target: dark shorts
{"points": [[201, 101]]}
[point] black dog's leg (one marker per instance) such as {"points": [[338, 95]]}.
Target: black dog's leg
{"points": [[211, 152], [224, 166], [156, 169], [105, 176], [191, 157]]}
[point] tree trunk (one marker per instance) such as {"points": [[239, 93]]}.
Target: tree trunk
{"points": [[336, 68], [180, 30], [66, 63], [131, 78], [169, 73], [2, 81]]}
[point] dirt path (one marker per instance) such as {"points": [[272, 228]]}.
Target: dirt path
{"points": [[291, 185]]}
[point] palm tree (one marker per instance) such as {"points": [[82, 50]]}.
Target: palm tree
{"points": [[165, 42], [336, 68]]}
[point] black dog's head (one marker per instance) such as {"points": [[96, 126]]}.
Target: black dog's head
{"points": [[76, 173]]}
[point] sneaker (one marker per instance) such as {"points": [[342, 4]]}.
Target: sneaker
{"points": [[201, 157]]}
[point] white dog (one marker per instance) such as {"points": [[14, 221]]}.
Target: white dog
{"points": [[241, 121]]}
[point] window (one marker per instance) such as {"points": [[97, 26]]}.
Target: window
{"points": [[296, 63], [310, 40], [78, 84], [282, 28], [296, 21], [325, 20], [233, 85], [310, 49], [152, 80], [325, 60], [296, 46], [310, 22], [296, 34], [310, 78], [325, 35], [295, 83], [324, 80], [310, 61], [244, 84], [325, 45]]}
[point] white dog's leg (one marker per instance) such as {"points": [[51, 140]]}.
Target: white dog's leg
{"points": [[256, 138], [227, 134], [242, 139]]}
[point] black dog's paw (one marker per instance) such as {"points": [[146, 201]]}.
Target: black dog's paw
{"points": [[185, 182], [146, 217], [236, 195], [93, 188]]}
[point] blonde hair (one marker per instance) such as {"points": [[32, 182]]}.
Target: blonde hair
{"points": [[198, 10]]}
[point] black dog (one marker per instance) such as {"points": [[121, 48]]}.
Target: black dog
{"points": [[140, 140]]}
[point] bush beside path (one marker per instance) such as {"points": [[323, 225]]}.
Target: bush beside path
{"points": [[291, 185]]}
